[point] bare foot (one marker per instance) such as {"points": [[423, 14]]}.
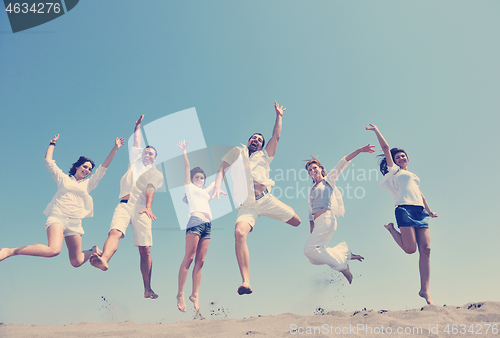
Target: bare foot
{"points": [[5, 253], [427, 297], [195, 300], [245, 289], [97, 262], [150, 294], [389, 226], [95, 249], [347, 273], [181, 305], [357, 257]]}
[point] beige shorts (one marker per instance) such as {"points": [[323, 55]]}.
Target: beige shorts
{"points": [[125, 215], [268, 206], [71, 226]]}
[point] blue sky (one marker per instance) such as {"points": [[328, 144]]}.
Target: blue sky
{"points": [[425, 72]]}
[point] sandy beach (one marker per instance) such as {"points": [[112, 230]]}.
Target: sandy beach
{"points": [[469, 320]]}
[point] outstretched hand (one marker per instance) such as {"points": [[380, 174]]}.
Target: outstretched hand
{"points": [[367, 149], [56, 137], [279, 110], [216, 192], [119, 142], [372, 127], [183, 145], [433, 214]]}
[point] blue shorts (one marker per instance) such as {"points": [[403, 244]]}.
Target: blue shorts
{"points": [[198, 226], [411, 216]]}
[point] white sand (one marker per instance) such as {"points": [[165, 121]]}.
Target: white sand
{"points": [[470, 320]]}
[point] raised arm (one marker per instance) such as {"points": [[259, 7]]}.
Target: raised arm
{"points": [[366, 149], [333, 175], [273, 142], [383, 144], [118, 143], [137, 132], [187, 169], [50, 149]]}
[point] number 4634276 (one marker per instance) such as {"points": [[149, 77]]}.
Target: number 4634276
{"points": [[36, 8]]}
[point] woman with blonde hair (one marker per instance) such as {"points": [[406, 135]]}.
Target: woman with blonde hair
{"points": [[325, 203]]}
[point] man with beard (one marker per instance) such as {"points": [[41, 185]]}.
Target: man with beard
{"points": [[250, 173]]}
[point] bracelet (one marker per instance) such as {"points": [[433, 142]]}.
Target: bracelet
{"points": [[52, 143]]}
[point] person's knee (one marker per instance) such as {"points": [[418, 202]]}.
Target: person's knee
{"points": [[409, 249], [144, 251], [241, 232], [115, 233], [199, 263], [294, 221], [187, 261], [75, 263], [425, 250], [53, 252]]}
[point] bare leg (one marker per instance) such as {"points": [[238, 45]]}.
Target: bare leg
{"points": [[241, 232], [424, 264], [201, 252], [146, 269], [110, 247], [54, 238], [191, 246], [406, 239], [347, 273], [294, 221], [76, 256]]}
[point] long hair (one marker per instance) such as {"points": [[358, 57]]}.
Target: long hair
{"points": [[383, 160], [318, 163], [193, 172], [78, 163]]}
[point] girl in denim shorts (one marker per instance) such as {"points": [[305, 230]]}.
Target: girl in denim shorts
{"points": [[412, 210], [197, 230]]}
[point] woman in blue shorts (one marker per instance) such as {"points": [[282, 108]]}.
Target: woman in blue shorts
{"points": [[71, 203], [197, 230], [412, 210]]}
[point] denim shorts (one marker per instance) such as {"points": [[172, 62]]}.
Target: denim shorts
{"points": [[198, 226], [411, 216]]}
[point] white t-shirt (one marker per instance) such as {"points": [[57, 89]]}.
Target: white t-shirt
{"points": [[138, 193], [72, 198], [135, 170], [198, 199], [403, 186]]}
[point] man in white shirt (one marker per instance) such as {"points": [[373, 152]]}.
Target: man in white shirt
{"points": [[252, 185], [137, 189]]}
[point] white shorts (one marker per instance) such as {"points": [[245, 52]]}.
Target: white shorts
{"points": [[268, 206], [125, 215], [71, 226]]}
